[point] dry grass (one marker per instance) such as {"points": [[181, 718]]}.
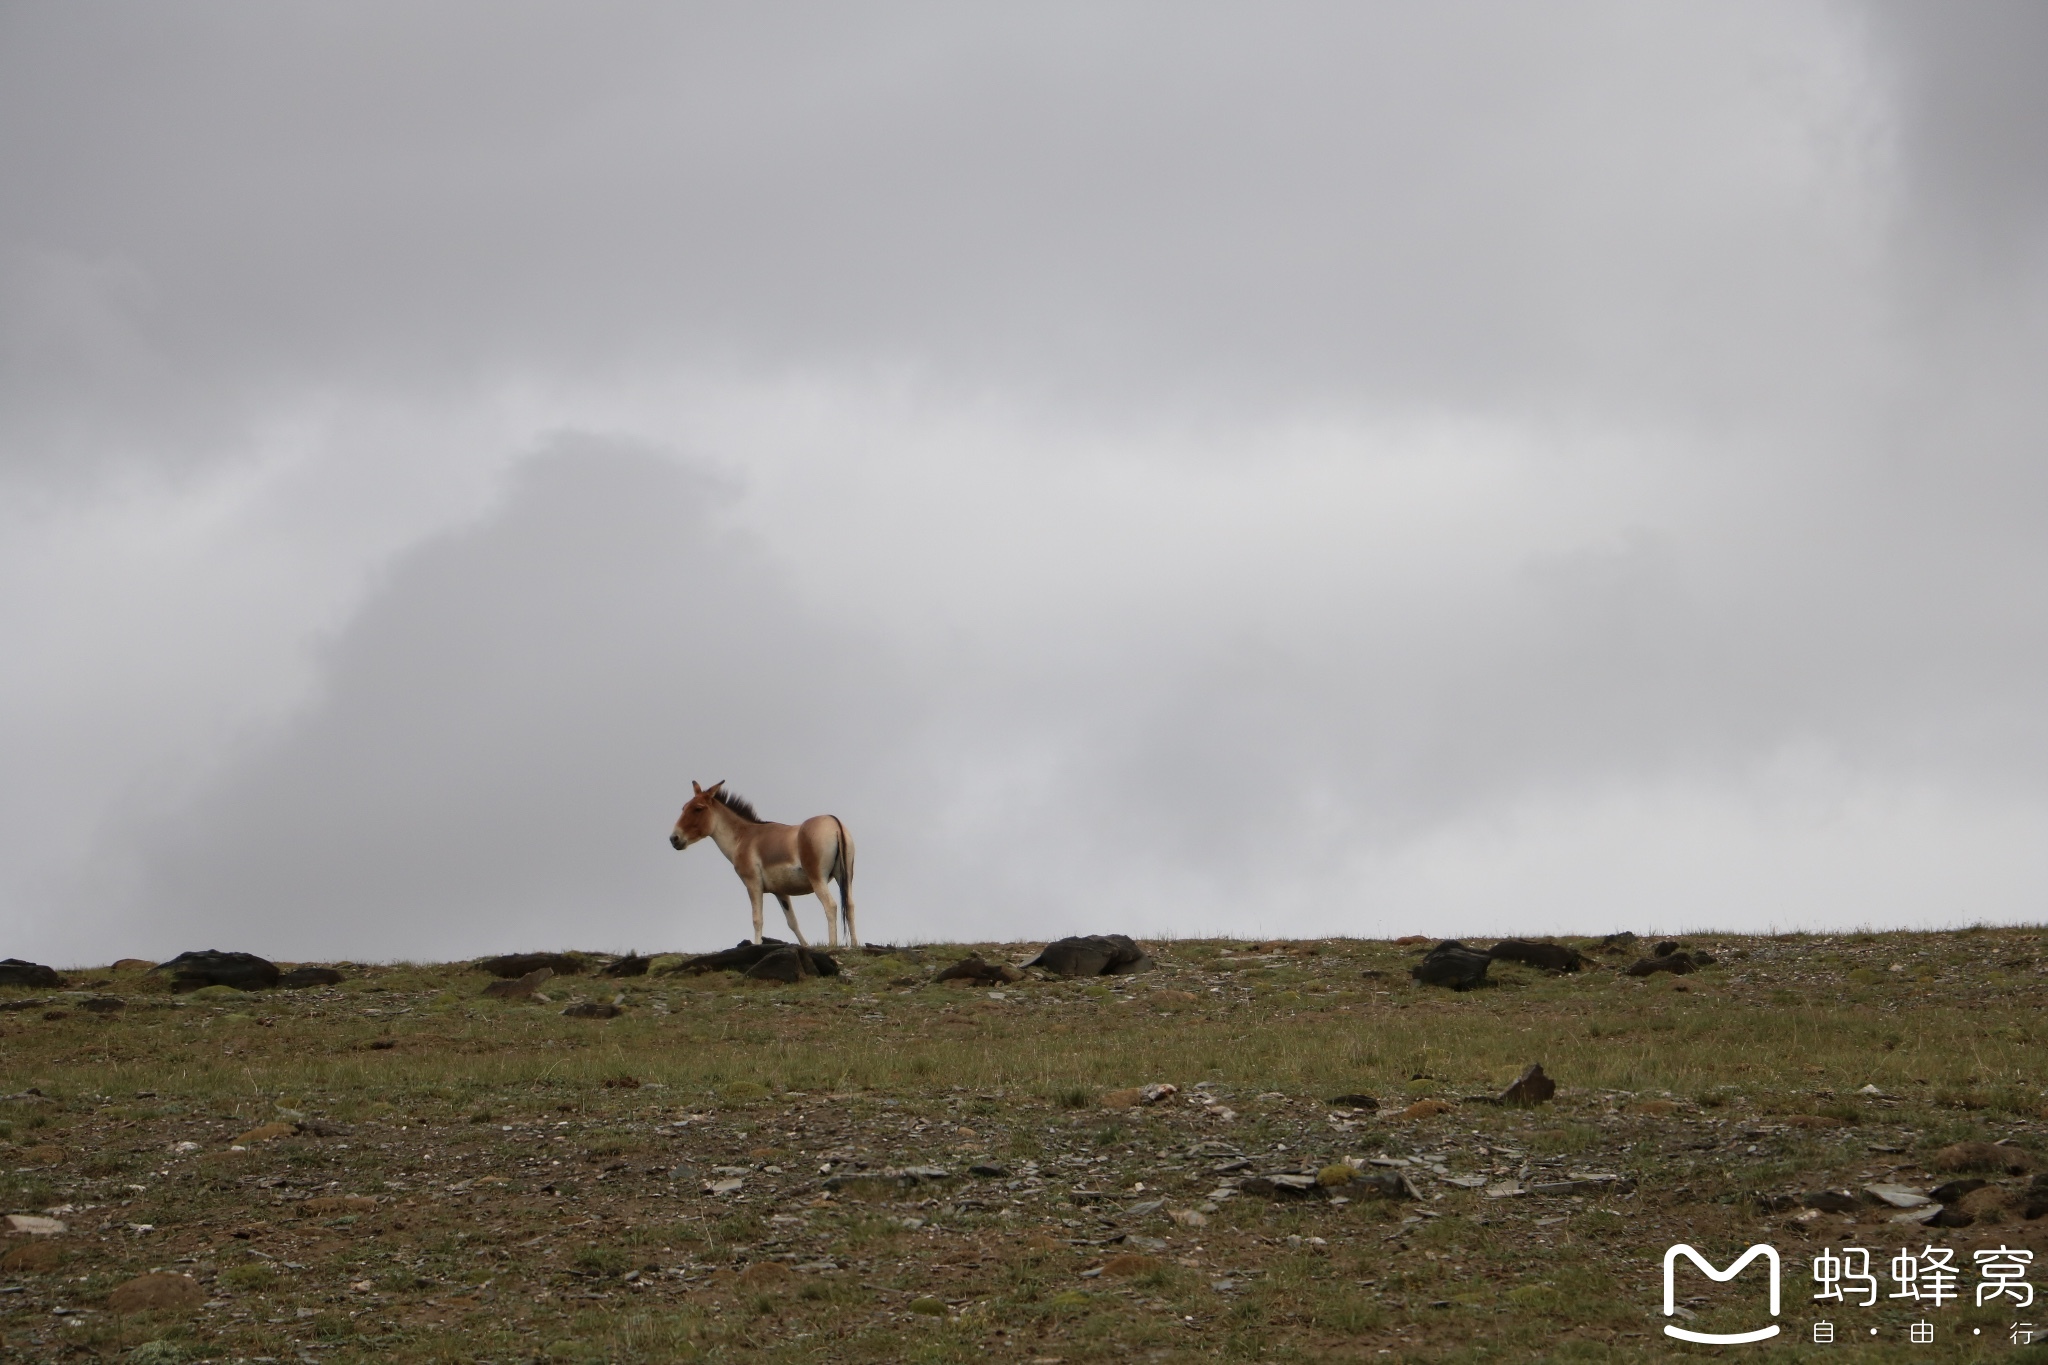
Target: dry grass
{"points": [[537, 1183]]}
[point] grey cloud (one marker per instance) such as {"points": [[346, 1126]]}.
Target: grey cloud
{"points": [[1973, 106], [1130, 206], [1786, 258]]}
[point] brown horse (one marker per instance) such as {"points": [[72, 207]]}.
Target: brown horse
{"points": [[781, 860]]}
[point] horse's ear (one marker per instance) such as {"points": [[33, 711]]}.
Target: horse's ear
{"points": [[713, 788], [695, 789]]}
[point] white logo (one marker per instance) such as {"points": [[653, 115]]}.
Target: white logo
{"points": [[1720, 1276]]}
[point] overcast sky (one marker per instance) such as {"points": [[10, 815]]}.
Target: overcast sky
{"points": [[1163, 468]]}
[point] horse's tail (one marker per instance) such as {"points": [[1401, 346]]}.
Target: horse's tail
{"points": [[842, 872], [842, 865]]}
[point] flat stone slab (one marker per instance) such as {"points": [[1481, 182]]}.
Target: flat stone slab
{"points": [[903, 1176], [1577, 1184], [1898, 1196]]}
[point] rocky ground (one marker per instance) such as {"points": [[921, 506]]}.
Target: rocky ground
{"points": [[877, 1167]]}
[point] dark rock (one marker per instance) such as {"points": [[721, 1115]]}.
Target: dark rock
{"points": [[1678, 964], [1531, 1088], [17, 1006], [1093, 955], [1355, 1102], [1954, 1190], [1664, 949], [746, 956], [241, 971], [735, 959], [519, 964], [104, 1004], [521, 989], [824, 964], [790, 965], [989, 1171], [1831, 1201], [16, 972], [1775, 1203], [1702, 959], [1950, 1217], [591, 1009], [298, 978], [975, 972], [1624, 939], [632, 964], [1554, 957], [1452, 964]]}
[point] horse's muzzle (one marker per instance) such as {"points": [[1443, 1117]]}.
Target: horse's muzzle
{"points": [[675, 841]]}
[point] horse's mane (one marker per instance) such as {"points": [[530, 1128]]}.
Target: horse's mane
{"points": [[738, 805]]}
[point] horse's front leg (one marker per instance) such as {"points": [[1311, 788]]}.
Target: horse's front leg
{"points": [[789, 913], [754, 895]]}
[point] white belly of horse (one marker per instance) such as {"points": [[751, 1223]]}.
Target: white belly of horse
{"points": [[786, 881]]}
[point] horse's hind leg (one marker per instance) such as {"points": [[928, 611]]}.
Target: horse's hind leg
{"points": [[823, 891], [846, 909], [789, 913]]}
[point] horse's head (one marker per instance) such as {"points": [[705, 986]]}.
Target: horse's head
{"points": [[695, 821]]}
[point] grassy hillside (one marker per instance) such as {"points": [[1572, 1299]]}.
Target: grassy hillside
{"points": [[717, 1172]]}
